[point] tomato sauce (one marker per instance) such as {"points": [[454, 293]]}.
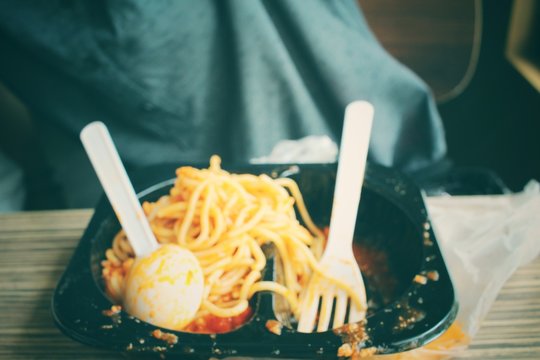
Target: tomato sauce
{"points": [[211, 324]]}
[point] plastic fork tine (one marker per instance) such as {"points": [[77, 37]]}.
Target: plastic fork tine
{"points": [[309, 315], [341, 309], [356, 314], [325, 312]]}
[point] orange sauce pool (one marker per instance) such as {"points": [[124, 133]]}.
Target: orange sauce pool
{"points": [[211, 324]]}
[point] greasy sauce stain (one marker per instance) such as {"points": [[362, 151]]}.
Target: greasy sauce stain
{"points": [[449, 344], [382, 283]]}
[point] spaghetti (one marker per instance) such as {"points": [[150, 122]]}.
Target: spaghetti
{"points": [[225, 219]]}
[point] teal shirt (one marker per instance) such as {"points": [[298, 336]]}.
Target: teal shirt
{"points": [[177, 81]]}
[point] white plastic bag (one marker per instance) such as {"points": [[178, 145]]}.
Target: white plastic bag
{"points": [[484, 239]]}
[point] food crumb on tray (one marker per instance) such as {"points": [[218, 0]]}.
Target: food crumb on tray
{"points": [[115, 309], [346, 350], [420, 279], [274, 326], [170, 338]]}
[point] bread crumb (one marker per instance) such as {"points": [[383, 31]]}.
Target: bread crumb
{"points": [[420, 279], [345, 350], [433, 275], [115, 309], [274, 326], [170, 338]]}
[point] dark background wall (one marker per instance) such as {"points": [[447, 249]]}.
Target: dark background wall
{"points": [[491, 113]]}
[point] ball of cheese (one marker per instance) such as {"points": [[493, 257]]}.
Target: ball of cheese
{"points": [[165, 288]]}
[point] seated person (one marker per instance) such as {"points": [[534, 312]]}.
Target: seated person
{"points": [[179, 81]]}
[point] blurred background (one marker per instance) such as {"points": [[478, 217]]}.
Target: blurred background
{"points": [[482, 61], [480, 58]]}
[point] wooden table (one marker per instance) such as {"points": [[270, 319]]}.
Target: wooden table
{"points": [[36, 246]]}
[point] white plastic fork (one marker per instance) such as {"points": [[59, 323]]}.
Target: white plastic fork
{"points": [[100, 148], [338, 261]]}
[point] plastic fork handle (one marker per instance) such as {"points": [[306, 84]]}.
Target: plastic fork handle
{"points": [[350, 176], [113, 177]]}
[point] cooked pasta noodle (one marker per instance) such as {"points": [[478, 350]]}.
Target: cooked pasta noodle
{"points": [[225, 219]]}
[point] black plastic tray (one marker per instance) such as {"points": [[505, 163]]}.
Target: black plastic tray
{"points": [[412, 299]]}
